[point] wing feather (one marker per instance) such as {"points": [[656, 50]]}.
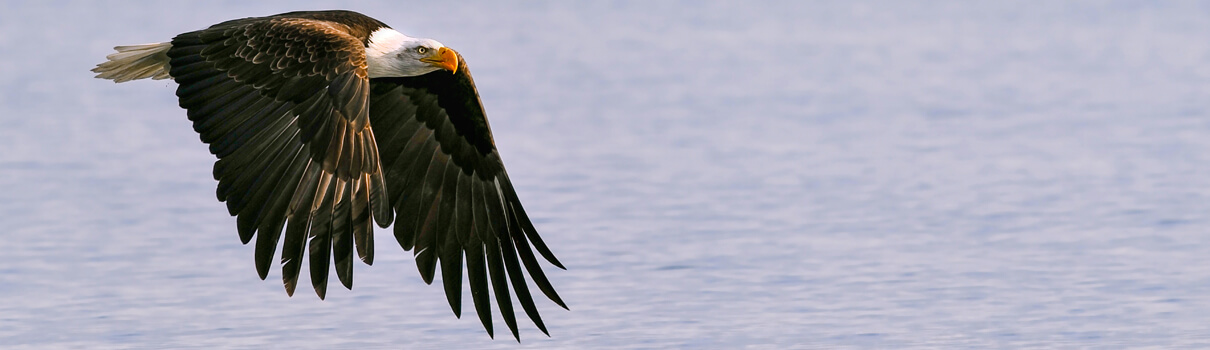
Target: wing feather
{"points": [[274, 219], [319, 238], [342, 233], [259, 184], [476, 273], [299, 221], [409, 204], [363, 233], [495, 260], [430, 210], [518, 282]]}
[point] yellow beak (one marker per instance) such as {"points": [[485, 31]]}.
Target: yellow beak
{"points": [[444, 58]]}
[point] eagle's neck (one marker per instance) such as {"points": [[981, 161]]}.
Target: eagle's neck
{"points": [[383, 54]]}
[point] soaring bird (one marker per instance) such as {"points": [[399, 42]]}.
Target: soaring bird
{"points": [[323, 121]]}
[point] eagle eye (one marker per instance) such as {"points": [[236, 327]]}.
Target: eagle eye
{"points": [[421, 50]]}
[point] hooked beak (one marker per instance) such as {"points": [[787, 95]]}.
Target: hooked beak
{"points": [[444, 58]]}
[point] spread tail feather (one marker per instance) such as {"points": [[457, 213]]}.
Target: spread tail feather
{"points": [[136, 62]]}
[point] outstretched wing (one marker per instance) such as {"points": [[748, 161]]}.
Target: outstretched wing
{"points": [[283, 103], [451, 195]]}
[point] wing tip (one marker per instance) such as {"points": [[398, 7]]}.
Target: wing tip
{"points": [[554, 261]]}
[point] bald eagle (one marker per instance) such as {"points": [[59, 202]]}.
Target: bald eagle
{"points": [[323, 121]]}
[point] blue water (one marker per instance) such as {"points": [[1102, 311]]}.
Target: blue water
{"points": [[714, 175]]}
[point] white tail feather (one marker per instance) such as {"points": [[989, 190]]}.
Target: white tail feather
{"points": [[136, 62]]}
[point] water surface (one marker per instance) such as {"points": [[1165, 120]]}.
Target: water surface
{"points": [[714, 175]]}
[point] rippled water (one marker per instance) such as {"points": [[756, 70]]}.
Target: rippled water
{"points": [[714, 175]]}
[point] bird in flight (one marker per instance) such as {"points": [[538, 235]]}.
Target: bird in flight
{"points": [[326, 121]]}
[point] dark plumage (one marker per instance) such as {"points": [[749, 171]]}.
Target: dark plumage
{"points": [[309, 144]]}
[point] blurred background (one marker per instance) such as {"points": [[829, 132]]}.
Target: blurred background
{"points": [[767, 175]]}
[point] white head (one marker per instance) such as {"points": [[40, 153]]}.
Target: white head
{"points": [[392, 54]]}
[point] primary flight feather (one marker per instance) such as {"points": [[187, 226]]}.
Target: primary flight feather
{"points": [[326, 121]]}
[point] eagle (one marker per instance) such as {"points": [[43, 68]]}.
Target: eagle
{"points": [[326, 121]]}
